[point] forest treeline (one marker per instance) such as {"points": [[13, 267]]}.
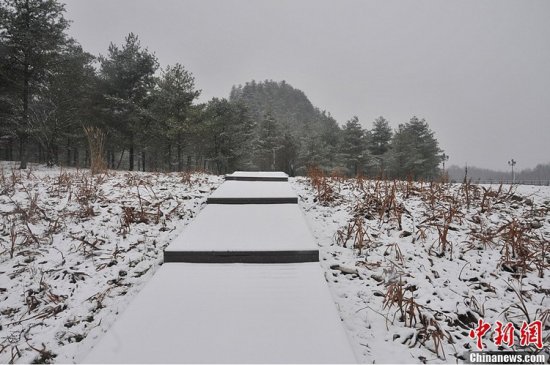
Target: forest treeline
{"points": [[59, 102], [540, 174]]}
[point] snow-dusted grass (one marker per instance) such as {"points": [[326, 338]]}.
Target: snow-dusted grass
{"points": [[413, 266], [76, 248]]}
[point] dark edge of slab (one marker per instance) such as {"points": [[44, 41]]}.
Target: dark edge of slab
{"points": [[252, 178], [246, 257], [284, 200]]}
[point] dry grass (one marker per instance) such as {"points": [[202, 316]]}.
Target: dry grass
{"points": [[322, 185], [455, 219], [62, 227], [446, 208], [96, 142], [355, 231], [414, 315]]}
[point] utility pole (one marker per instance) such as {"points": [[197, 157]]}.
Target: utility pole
{"points": [[512, 163]]}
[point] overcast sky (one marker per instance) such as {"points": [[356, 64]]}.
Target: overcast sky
{"points": [[477, 71]]}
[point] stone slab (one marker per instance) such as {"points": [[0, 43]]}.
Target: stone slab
{"points": [[229, 313]]}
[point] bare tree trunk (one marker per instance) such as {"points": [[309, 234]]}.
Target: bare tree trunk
{"points": [[169, 158], [22, 150], [120, 160], [131, 157], [9, 150], [47, 154], [143, 161], [180, 161], [23, 137], [40, 153], [68, 152]]}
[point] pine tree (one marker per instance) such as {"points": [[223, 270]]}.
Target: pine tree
{"points": [[381, 134], [32, 33], [173, 98], [415, 151], [8, 104], [314, 152], [353, 146], [127, 76], [225, 133], [287, 154], [268, 144], [379, 143], [64, 104]]}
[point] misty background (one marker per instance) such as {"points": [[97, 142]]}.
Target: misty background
{"points": [[477, 71]]}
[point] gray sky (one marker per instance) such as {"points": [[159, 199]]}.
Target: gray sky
{"points": [[478, 71]]}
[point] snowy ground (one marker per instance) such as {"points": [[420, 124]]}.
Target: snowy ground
{"points": [[83, 247], [412, 267]]}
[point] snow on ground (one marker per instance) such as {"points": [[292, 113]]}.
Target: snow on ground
{"points": [[412, 267], [75, 249], [446, 255]]}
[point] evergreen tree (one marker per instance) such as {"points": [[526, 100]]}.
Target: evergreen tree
{"points": [[65, 104], [314, 152], [268, 144], [330, 134], [32, 33], [353, 146], [226, 130], [379, 143], [287, 154], [127, 76], [415, 151], [173, 98], [8, 104], [381, 135]]}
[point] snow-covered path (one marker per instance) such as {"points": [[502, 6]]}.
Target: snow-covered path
{"points": [[251, 233], [234, 312], [254, 192]]}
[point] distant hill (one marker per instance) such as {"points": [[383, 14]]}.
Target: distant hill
{"points": [[291, 134], [289, 106], [541, 173]]}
